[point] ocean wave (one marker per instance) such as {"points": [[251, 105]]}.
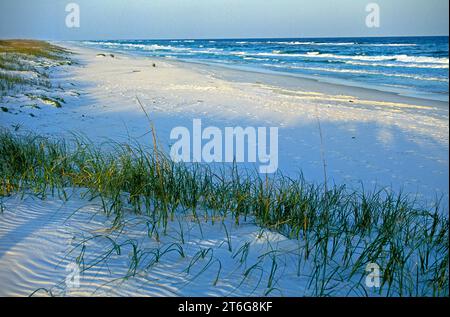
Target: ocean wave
{"points": [[422, 59], [362, 72], [147, 47], [256, 59], [410, 65], [215, 51], [158, 47], [389, 45], [313, 43], [398, 58], [341, 44]]}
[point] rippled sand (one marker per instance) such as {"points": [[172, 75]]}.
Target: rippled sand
{"points": [[41, 241]]}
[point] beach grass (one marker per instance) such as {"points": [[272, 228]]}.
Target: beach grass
{"points": [[341, 231], [34, 48], [21, 58]]}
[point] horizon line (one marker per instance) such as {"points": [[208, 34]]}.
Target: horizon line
{"points": [[223, 38]]}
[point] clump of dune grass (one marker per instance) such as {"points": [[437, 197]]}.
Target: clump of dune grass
{"points": [[10, 62], [340, 230], [11, 82], [25, 63]]}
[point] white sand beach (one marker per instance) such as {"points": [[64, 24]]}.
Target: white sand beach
{"points": [[369, 137], [373, 137]]}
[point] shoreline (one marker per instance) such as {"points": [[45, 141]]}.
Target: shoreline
{"points": [[320, 83], [401, 131]]}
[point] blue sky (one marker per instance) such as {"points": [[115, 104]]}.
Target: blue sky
{"points": [[147, 19]]}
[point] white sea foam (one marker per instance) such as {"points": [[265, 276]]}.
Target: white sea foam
{"points": [[341, 44], [390, 44], [362, 72], [148, 47], [407, 65], [397, 58], [313, 43]]}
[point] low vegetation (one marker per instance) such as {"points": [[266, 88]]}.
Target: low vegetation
{"points": [[32, 48], [341, 231], [25, 63]]}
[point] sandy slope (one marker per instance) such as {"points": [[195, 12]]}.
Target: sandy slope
{"points": [[40, 240]]}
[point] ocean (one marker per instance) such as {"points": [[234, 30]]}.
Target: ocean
{"points": [[411, 66]]}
